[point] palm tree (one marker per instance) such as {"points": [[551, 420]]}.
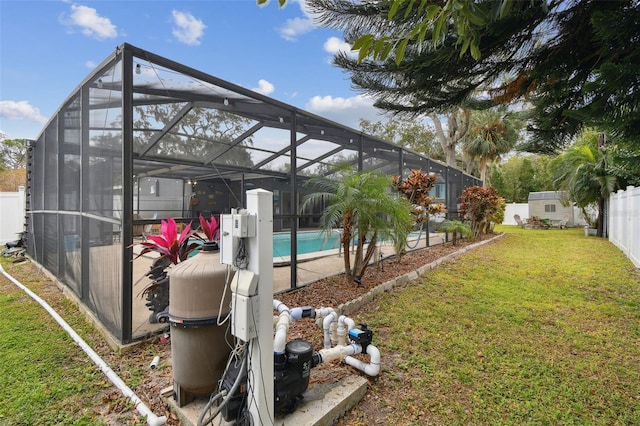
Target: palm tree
{"points": [[455, 227], [492, 133], [363, 205], [583, 171]]}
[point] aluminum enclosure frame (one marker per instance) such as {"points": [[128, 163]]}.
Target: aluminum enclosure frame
{"points": [[140, 120]]}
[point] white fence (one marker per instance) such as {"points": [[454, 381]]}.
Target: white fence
{"points": [[512, 209], [11, 215], [624, 222]]}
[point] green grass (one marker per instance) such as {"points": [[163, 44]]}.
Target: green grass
{"points": [[540, 327], [46, 378]]}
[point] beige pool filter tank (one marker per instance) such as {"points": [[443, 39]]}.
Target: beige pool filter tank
{"points": [[199, 348]]}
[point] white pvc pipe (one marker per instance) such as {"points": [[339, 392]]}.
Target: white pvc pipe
{"points": [[329, 320], [343, 353], [323, 312], [280, 339], [344, 325], [152, 419], [339, 352], [281, 326], [373, 367], [351, 324], [279, 306], [296, 314]]}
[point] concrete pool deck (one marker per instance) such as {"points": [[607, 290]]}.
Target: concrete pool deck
{"points": [[312, 267]]}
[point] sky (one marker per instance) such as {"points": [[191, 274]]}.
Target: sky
{"points": [[48, 47]]}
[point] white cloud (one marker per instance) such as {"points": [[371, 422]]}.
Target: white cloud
{"points": [[188, 29], [264, 87], [334, 45], [90, 64], [91, 24], [347, 111], [21, 110], [297, 26]]}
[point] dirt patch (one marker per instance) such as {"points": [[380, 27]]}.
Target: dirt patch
{"points": [[133, 365]]}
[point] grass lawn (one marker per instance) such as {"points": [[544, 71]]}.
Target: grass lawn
{"points": [[46, 378], [540, 327]]}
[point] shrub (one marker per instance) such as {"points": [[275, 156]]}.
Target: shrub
{"points": [[480, 206]]}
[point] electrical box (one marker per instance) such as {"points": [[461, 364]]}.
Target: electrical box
{"points": [[244, 283], [244, 225], [228, 243], [244, 317], [244, 305]]}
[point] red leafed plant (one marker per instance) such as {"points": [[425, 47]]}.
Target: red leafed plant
{"points": [[170, 244], [211, 228], [480, 206], [416, 188], [173, 247]]}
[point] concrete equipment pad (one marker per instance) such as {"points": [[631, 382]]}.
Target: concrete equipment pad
{"points": [[322, 405]]}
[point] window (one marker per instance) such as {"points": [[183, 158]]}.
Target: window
{"points": [[549, 208]]}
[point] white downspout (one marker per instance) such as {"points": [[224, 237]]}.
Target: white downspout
{"points": [[152, 419]]}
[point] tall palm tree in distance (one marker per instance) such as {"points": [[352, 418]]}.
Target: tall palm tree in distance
{"points": [[584, 171], [493, 133]]}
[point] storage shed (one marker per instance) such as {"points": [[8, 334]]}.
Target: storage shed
{"points": [[552, 205]]}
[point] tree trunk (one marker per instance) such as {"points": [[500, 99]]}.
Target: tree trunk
{"points": [[346, 242], [371, 249], [600, 230], [454, 134], [483, 171], [357, 262]]}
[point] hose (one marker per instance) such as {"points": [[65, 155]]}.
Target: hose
{"points": [[419, 237], [152, 419], [201, 420]]}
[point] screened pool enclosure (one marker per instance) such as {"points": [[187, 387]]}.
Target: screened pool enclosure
{"points": [[144, 138]]}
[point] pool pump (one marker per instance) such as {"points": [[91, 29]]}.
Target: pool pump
{"points": [[292, 370], [291, 373]]}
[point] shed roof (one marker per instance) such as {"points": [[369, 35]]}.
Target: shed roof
{"points": [[546, 195]]}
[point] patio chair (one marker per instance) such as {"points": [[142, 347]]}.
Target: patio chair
{"points": [[138, 230], [148, 228], [564, 221], [519, 221]]}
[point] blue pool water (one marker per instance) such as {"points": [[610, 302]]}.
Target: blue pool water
{"points": [[308, 242]]}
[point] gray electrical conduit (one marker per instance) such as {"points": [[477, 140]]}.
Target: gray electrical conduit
{"points": [[152, 419], [202, 420]]}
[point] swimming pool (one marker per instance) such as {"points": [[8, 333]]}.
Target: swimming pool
{"points": [[308, 242]]}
